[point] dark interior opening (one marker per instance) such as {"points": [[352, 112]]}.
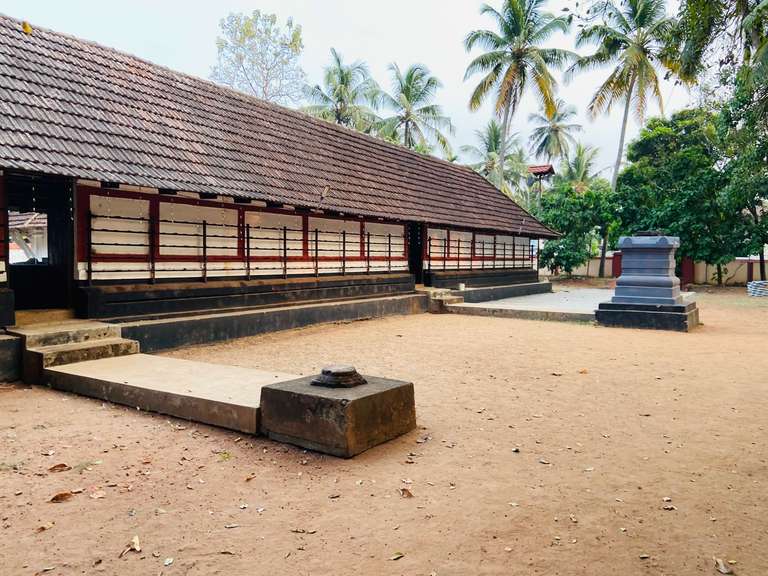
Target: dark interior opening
{"points": [[416, 232], [41, 240]]}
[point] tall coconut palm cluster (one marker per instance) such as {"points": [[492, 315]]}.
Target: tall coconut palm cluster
{"points": [[636, 43], [406, 114]]}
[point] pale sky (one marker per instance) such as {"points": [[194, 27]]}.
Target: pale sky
{"points": [[182, 34]]}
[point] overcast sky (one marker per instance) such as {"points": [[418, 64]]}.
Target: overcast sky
{"points": [[182, 34]]}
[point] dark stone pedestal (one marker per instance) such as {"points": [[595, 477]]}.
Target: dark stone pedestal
{"points": [[7, 307], [338, 421], [680, 317]]}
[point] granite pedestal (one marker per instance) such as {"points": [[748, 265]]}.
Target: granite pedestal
{"points": [[648, 292], [337, 419]]}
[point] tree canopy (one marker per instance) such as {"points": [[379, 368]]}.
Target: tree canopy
{"points": [[258, 56]]}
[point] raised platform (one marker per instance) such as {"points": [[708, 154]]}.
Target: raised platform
{"points": [[484, 294], [482, 277], [141, 301], [225, 396], [10, 358], [168, 333], [577, 305]]}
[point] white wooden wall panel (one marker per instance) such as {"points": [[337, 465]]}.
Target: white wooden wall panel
{"points": [[180, 222], [132, 236], [267, 234]]}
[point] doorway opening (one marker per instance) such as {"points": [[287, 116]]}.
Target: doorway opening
{"points": [[40, 240], [416, 234]]}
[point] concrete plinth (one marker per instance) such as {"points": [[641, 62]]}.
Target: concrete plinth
{"points": [[679, 317], [338, 421], [10, 358]]}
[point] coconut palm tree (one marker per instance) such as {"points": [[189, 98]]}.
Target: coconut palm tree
{"points": [[553, 135], [631, 37], [513, 59], [348, 95], [485, 158], [579, 168], [416, 122]]}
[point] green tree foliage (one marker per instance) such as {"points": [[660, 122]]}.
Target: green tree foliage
{"points": [[745, 143], [514, 59], [416, 121], [631, 36], [258, 56], [348, 96], [674, 183], [485, 158], [553, 135], [580, 215]]}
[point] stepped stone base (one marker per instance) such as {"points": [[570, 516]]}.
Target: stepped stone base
{"points": [[338, 421], [678, 317]]}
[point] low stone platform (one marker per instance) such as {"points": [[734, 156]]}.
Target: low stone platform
{"points": [[576, 305], [162, 334], [225, 396], [486, 293]]}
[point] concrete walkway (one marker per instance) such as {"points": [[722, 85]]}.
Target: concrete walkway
{"points": [[576, 305], [225, 396]]}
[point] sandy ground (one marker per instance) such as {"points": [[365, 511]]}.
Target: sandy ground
{"points": [[612, 426]]}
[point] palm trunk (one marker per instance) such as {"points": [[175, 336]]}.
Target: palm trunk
{"points": [[617, 166], [503, 143]]}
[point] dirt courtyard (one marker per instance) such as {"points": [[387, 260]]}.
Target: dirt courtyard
{"points": [[543, 448]]}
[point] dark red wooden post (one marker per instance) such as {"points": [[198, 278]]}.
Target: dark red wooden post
{"points": [[317, 253], [248, 251], [343, 252], [205, 251], [88, 247], [687, 271], [285, 252]]}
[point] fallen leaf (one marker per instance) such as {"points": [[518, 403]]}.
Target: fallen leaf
{"points": [[60, 468], [230, 526], [405, 493], [545, 462], [167, 561], [557, 373], [61, 497], [98, 494], [722, 566], [48, 453], [133, 546], [396, 556], [334, 496], [644, 556], [583, 371], [44, 527], [670, 507]]}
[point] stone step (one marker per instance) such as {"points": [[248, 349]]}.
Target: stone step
{"points": [[38, 359], [41, 335]]}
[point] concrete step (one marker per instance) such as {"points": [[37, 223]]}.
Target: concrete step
{"points": [[41, 335], [38, 359]]}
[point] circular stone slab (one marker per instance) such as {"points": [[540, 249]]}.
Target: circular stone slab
{"points": [[339, 376]]}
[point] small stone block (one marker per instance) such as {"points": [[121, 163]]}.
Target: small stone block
{"points": [[338, 421]]}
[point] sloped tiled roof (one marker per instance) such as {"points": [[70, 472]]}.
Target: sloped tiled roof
{"points": [[541, 170], [75, 108], [27, 220]]}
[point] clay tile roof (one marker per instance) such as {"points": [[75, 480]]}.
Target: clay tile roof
{"points": [[541, 170], [27, 220], [75, 108]]}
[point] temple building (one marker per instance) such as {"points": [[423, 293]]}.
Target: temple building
{"points": [[131, 191]]}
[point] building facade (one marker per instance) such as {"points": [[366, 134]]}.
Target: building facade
{"points": [[160, 193]]}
